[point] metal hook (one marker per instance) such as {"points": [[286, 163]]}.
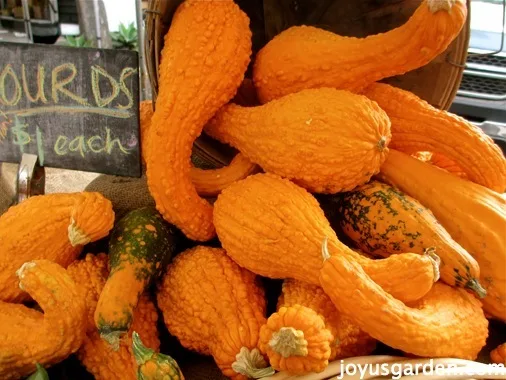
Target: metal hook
{"points": [[31, 178]]}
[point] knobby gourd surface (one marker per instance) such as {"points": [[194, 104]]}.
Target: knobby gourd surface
{"points": [[141, 245], [498, 355], [304, 57], [210, 182], [53, 227], [447, 322], [417, 126], [296, 340], [348, 340], [381, 220], [214, 307], [205, 56], [96, 355], [473, 215], [325, 140], [274, 228], [152, 365], [28, 336]]}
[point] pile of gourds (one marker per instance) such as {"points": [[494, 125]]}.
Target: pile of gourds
{"points": [[385, 217]]}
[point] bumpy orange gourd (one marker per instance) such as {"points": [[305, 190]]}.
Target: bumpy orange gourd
{"points": [[296, 137], [295, 340], [348, 340], [211, 182], [430, 327], [274, 228], [215, 307], [28, 336], [205, 56], [208, 182], [53, 227], [383, 221], [96, 355], [307, 57], [498, 355], [442, 162], [473, 215], [417, 126]]}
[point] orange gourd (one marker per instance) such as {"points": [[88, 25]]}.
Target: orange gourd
{"points": [[473, 215], [28, 336], [274, 228], [295, 137], [304, 57], [210, 182], [447, 322], [442, 162], [417, 126], [214, 307], [295, 340], [348, 340], [53, 227], [205, 56], [498, 355], [96, 355]]}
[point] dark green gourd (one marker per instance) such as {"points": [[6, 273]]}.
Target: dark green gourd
{"points": [[383, 221], [140, 246]]}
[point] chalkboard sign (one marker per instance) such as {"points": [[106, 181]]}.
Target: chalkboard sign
{"points": [[76, 108]]}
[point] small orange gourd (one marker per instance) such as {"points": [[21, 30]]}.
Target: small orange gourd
{"points": [[204, 58], [417, 126], [295, 340], [214, 307], [498, 355], [304, 57], [473, 215], [28, 336], [97, 356], [274, 228], [295, 137], [53, 227], [349, 340], [430, 327]]}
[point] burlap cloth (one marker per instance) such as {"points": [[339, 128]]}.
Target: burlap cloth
{"points": [[125, 193]]}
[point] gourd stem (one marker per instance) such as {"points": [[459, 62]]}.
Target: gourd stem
{"points": [[113, 338], [141, 353], [476, 287], [436, 262], [251, 364], [39, 374], [289, 342], [76, 236], [439, 5], [382, 143], [325, 249]]}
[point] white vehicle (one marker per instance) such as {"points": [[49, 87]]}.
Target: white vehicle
{"points": [[482, 94]]}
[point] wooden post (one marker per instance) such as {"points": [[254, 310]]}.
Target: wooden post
{"points": [[88, 23]]}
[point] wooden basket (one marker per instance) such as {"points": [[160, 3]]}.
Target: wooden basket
{"points": [[436, 82]]}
